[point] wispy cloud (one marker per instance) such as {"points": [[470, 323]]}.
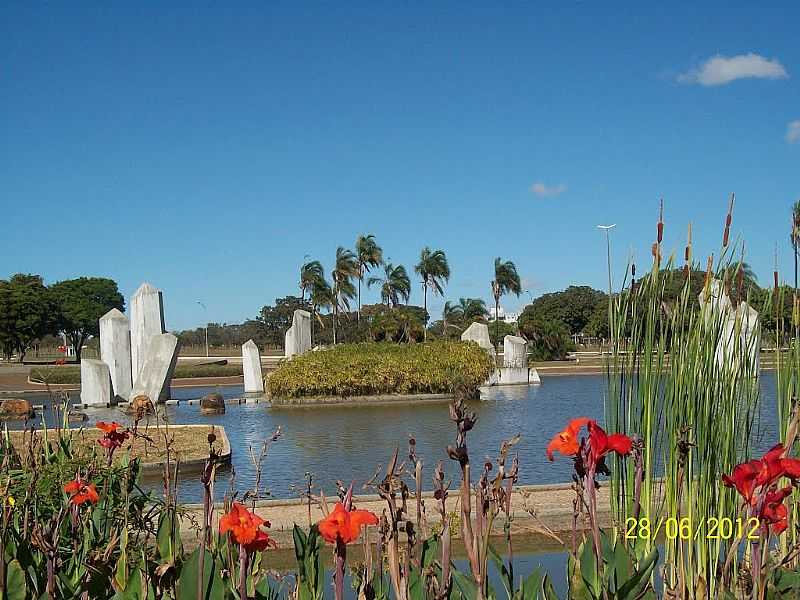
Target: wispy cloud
{"points": [[793, 132], [545, 191], [719, 70]]}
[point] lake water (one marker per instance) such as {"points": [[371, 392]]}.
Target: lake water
{"points": [[350, 443]]}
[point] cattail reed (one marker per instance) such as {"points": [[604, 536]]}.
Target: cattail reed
{"points": [[687, 253], [728, 220]]}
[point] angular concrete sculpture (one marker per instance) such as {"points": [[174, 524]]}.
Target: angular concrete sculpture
{"points": [[298, 336], [717, 301], [159, 365], [478, 333], [95, 383], [147, 320], [115, 351], [515, 368], [740, 342], [251, 366]]}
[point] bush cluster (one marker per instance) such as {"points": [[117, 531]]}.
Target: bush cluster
{"points": [[382, 368]]}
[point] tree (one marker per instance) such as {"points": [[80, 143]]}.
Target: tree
{"points": [[432, 268], [401, 325], [345, 268], [27, 313], [506, 280], [452, 314], [321, 297], [472, 309], [310, 273], [395, 284], [573, 307], [80, 304], [368, 256], [277, 319]]}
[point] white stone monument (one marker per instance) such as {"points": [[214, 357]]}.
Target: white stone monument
{"points": [[115, 351], [717, 303], [515, 368], [739, 344], [147, 320], [479, 333], [161, 356], [298, 336], [251, 366], [95, 383]]}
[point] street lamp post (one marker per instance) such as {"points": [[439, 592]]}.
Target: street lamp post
{"points": [[206, 314], [607, 229]]}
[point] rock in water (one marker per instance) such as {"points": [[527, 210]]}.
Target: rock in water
{"points": [[140, 406], [16, 408], [212, 404]]}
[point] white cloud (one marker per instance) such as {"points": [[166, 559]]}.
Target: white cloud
{"points": [[719, 70], [793, 132], [540, 189]]}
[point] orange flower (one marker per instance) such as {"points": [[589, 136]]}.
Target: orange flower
{"points": [[81, 492], [345, 525], [566, 442], [244, 528], [114, 437]]}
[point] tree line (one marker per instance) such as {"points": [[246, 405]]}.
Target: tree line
{"points": [[31, 310]]}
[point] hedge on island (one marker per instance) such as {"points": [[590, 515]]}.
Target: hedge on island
{"points": [[369, 369]]}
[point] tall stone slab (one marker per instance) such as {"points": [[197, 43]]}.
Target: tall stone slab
{"points": [[298, 336], [515, 352], [479, 333], [147, 320], [161, 356], [115, 351], [714, 302], [96, 388], [251, 366]]}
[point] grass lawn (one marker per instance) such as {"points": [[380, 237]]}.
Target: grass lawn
{"points": [[188, 442], [72, 374]]}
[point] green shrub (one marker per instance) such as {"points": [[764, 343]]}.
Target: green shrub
{"points": [[382, 368]]}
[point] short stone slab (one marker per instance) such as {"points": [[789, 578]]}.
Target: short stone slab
{"points": [[298, 336], [478, 333], [96, 389], [359, 400], [251, 368]]}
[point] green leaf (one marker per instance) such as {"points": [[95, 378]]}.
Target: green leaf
{"points": [[168, 537], [505, 575], [213, 583], [634, 586], [133, 589], [466, 585], [16, 586]]}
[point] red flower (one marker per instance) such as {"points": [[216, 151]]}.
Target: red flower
{"points": [[244, 528], [601, 443], [114, 437], [762, 473], [81, 492], [566, 442], [60, 361], [345, 525], [743, 479], [773, 511]]}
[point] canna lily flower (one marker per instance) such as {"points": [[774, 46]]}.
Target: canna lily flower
{"points": [[774, 512], [566, 442], [244, 528], [743, 479], [600, 443], [114, 437], [345, 525], [81, 492]]}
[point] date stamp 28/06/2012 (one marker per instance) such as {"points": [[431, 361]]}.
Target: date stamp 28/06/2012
{"points": [[673, 528]]}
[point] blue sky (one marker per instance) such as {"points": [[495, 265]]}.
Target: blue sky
{"points": [[207, 148]]}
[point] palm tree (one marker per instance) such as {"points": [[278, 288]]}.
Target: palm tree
{"points": [[395, 284], [321, 296], [506, 280], [368, 255], [433, 268], [345, 268], [472, 308], [452, 314], [310, 273]]}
